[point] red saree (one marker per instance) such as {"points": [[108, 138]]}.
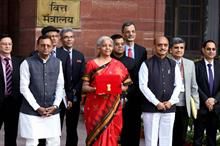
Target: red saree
{"points": [[103, 114]]}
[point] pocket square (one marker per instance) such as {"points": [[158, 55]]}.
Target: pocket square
{"points": [[79, 61]]}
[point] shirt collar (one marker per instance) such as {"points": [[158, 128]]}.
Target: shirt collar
{"points": [[68, 50], [131, 47], [206, 62], [3, 57], [55, 49], [178, 61]]}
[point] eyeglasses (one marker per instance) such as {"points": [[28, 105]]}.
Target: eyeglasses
{"points": [[211, 49]]}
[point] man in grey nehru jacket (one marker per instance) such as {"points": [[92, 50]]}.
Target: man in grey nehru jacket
{"points": [[42, 85]]}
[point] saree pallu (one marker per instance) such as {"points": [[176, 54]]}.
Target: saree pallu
{"points": [[103, 113]]}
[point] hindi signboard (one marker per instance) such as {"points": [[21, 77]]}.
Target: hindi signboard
{"points": [[58, 13]]}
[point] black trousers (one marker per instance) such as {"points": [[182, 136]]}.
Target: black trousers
{"points": [[72, 118], [131, 124], [205, 121], [9, 113], [180, 126]]}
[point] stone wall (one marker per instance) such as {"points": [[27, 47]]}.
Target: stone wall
{"points": [[97, 17]]}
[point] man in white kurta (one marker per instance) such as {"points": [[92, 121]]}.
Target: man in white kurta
{"points": [[160, 82], [42, 85]]}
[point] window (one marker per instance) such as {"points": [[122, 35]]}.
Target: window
{"points": [[185, 18]]}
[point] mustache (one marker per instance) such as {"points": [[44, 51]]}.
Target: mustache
{"points": [[131, 36], [163, 49]]}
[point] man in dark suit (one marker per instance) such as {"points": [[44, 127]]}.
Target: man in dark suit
{"points": [[208, 80], [53, 33], [119, 54], [132, 111], [10, 97], [77, 64]]}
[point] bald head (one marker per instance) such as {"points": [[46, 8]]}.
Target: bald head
{"points": [[160, 38]]}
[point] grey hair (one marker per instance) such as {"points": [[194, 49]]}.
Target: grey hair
{"points": [[102, 39], [176, 40], [65, 30]]}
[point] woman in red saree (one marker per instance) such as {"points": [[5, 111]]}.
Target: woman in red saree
{"points": [[103, 113]]}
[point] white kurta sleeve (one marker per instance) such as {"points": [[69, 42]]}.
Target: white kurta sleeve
{"points": [[178, 82], [143, 85], [24, 85], [59, 88]]}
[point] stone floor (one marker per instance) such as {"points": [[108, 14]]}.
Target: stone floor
{"points": [[81, 132]]}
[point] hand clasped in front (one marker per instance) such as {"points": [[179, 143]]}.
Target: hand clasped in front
{"points": [[46, 112]]}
